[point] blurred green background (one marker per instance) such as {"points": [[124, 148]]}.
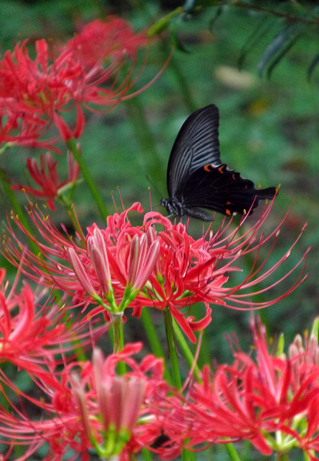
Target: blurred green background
{"points": [[268, 126]]}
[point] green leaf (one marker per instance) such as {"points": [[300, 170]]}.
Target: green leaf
{"points": [[258, 33], [177, 43], [280, 45], [212, 21], [312, 66], [164, 23], [282, 54]]}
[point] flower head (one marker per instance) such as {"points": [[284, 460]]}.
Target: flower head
{"points": [[47, 178], [88, 406], [31, 334], [157, 264], [262, 400], [35, 93], [100, 40]]}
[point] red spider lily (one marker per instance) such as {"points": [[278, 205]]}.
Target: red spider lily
{"points": [[47, 178], [74, 413], [35, 93], [119, 400], [30, 335], [178, 272], [99, 40], [261, 400]]}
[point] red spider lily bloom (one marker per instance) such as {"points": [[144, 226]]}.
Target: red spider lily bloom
{"points": [[119, 400], [31, 335], [99, 40], [261, 400], [47, 178], [170, 268], [35, 93], [87, 406]]}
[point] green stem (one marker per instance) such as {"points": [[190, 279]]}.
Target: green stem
{"points": [[117, 326], [172, 353], [205, 355], [188, 455], [147, 455], [232, 452], [155, 343], [306, 457], [164, 22], [76, 224], [185, 349], [255, 7], [88, 178], [117, 337], [17, 208], [282, 456]]}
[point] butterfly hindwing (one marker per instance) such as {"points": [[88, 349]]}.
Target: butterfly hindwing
{"points": [[220, 189]]}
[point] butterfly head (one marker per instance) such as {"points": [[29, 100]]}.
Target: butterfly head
{"points": [[173, 207]]}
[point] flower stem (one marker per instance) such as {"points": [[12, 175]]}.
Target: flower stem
{"points": [[188, 455], [232, 452], [281, 14], [17, 208], [88, 178], [172, 349], [155, 343], [117, 326], [282, 456], [185, 349], [147, 455]]}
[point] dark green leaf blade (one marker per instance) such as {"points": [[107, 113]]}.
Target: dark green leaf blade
{"points": [[312, 66], [278, 47]]}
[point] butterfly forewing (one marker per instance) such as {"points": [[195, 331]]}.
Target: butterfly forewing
{"points": [[196, 145]]}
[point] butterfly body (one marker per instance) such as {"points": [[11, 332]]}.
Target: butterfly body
{"points": [[196, 177]]}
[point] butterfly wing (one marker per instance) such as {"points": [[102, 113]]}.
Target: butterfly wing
{"points": [[196, 178], [220, 189], [195, 146]]}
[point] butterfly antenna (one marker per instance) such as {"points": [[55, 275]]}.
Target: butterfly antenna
{"points": [[150, 197], [154, 185]]}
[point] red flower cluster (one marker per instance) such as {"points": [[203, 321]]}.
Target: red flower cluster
{"points": [[100, 40], [31, 335], [271, 401], [35, 93], [157, 264], [47, 178], [88, 406]]}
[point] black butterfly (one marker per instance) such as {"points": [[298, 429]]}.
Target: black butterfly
{"points": [[196, 177]]}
